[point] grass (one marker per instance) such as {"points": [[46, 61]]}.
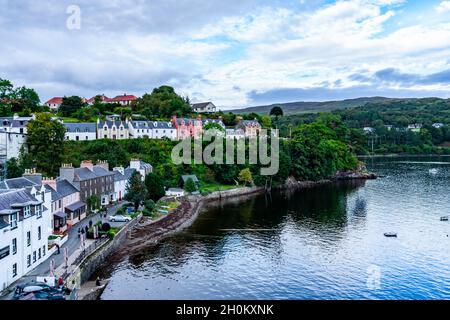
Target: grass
{"points": [[213, 187]]}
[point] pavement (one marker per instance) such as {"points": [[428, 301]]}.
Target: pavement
{"points": [[73, 248]]}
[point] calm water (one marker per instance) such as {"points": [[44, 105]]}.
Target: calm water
{"points": [[325, 243]]}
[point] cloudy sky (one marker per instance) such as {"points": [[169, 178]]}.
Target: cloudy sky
{"points": [[235, 52]]}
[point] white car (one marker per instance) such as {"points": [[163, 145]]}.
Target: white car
{"points": [[119, 218]]}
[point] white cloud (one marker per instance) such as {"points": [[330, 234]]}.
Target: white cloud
{"points": [[443, 7]]}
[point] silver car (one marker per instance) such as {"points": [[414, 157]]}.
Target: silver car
{"points": [[119, 218]]}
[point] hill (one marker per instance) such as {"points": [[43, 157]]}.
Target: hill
{"points": [[312, 107]]}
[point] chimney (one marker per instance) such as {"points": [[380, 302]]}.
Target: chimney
{"points": [[103, 164], [119, 169], [67, 171], [35, 177], [87, 164], [51, 182]]}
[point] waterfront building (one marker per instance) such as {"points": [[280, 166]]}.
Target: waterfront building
{"points": [[152, 130], [91, 180], [25, 225]]}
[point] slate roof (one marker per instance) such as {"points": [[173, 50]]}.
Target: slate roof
{"points": [[16, 183], [187, 177], [81, 127], [250, 123], [152, 125], [65, 188], [55, 195], [201, 105], [121, 177], [16, 196], [82, 174], [110, 123]]}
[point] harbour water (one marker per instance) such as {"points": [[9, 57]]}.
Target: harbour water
{"points": [[323, 243]]}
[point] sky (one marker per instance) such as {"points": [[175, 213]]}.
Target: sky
{"points": [[236, 53]]}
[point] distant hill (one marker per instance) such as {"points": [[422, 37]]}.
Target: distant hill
{"points": [[311, 107]]}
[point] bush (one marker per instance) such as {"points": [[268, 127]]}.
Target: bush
{"points": [[147, 213], [149, 205], [106, 227]]}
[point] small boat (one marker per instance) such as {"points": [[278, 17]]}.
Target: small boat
{"points": [[445, 218], [390, 235], [433, 171]]}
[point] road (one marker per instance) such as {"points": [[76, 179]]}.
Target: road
{"points": [[72, 244]]}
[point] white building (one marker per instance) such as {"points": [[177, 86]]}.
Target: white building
{"points": [[142, 167], [175, 192], [80, 131], [25, 225], [115, 130], [152, 130], [54, 103], [204, 107], [13, 135], [235, 134], [121, 177]]}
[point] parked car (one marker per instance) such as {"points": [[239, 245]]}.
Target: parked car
{"points": [[119, 218], [37, 291]]}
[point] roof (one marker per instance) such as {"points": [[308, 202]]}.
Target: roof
{"points": [[152, 125], [201, 105], [17, 183], [123, 177], [9, 198], [60, 214], [250, 123], [86, 174], [65, 188], [187, 177], [76, 206], [81, 127], [103, 98], [110, 123], [55, 195], [55, 100], [125, 97]]}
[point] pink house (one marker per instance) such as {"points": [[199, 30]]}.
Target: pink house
{"points": [[188, 127]]}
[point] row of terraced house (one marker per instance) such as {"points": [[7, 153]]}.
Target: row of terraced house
{"points": [[33, 208]]}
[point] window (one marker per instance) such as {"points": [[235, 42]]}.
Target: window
{"points": [[43, 251], [60, 204], [29, 260], [14, 246], [38, 211], [29, 238], [39, 253], [13, 221], [39, 233], [77, 138], [14, 270], [34, 256], [26, 211]]}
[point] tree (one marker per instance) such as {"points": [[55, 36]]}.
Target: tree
{"points": [[13, 169], [245, 176], [93, 202], [135, 191], [155, 187], [162, 102], [276, 112], [70, 105], [190, 186], [46, 143]]}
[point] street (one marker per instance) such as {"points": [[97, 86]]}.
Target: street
{"points": [[72, 244]]}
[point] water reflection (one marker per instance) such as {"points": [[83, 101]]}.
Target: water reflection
{"points": [[312, 244]]}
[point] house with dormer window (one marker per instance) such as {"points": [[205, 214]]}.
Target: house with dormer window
{"points": [[25, 225], [113, 129]]}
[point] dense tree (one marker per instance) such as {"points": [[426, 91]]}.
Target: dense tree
{"points": [[245, 176], [190, 186], [162, 102], [71, 105], [135, 190], [45, 142], [13, 169], [155, 187], [276, 112]]}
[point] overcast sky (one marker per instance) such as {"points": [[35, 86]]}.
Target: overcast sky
{"points": [[234, 53]]}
